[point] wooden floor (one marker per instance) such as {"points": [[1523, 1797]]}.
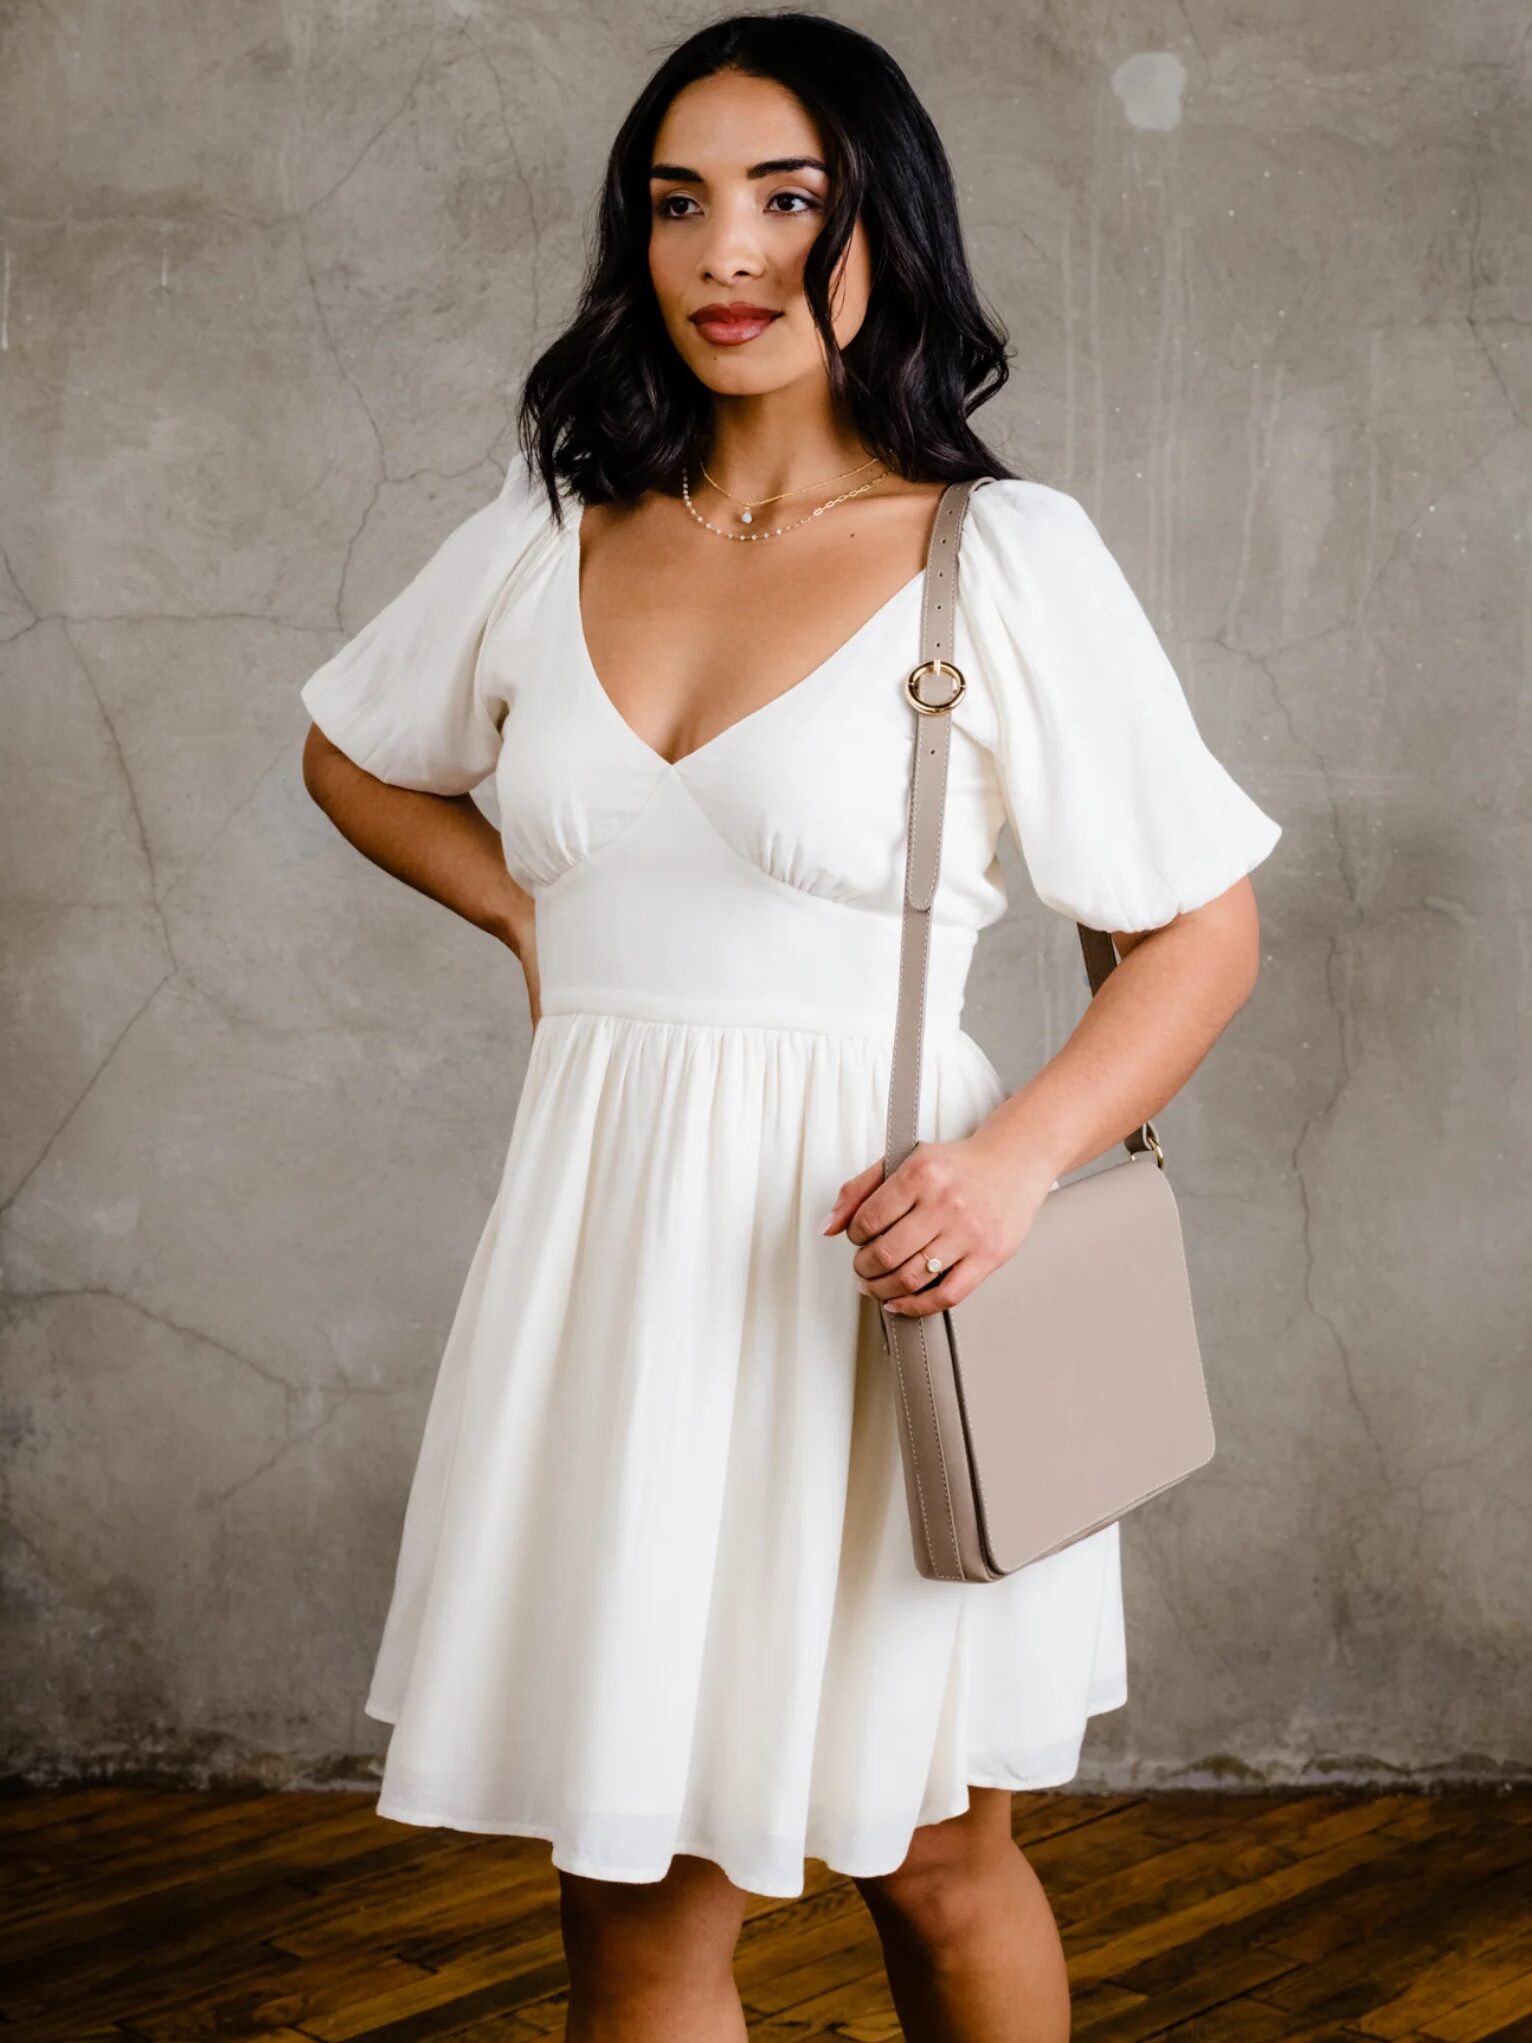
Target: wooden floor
{"points": [[183, 1917]]}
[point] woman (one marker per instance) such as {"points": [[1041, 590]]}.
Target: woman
{"points": [[656, 1600]]}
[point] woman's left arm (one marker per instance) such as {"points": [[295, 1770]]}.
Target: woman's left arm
{"points": [[1157, 1015], [1127, 822], [1155, 1018]]}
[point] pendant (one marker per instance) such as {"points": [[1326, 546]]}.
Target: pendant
{"points": [[747, 516]]}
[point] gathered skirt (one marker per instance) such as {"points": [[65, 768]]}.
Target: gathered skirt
{"points": [[655, 1590]]}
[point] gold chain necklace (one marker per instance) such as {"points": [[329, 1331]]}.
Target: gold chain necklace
{"points": [[775, 531], [753, 504]]}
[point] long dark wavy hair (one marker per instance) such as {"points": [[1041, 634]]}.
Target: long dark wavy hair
{"points": [[611, 409]]}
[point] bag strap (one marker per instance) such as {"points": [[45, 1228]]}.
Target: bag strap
{"points": [[928, 791]]}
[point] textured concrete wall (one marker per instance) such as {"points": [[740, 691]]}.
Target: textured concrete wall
{"points": [[270, 277]]}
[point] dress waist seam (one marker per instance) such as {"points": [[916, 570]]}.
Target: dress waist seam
{"points": [[939, 1031]]}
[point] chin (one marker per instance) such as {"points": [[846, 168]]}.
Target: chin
{"points": [[739, 379]]}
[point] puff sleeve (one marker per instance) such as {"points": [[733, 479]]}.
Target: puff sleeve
{"points": [[1123, 815], [406, 697]]}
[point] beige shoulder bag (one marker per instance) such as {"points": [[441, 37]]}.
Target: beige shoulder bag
{"points": [[1067, 1387]]}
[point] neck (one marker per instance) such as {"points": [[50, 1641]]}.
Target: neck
{"points": [[783, 441]]}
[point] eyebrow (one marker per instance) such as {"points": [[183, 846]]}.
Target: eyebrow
{"points": [[677, 173]]}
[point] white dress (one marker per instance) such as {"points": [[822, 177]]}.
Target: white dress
{"points": [[656, 1591]]}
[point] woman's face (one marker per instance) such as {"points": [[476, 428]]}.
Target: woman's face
{"points": [[737, 197]]}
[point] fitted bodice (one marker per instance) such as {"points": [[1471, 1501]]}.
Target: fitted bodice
{"points": [[759, 879]]}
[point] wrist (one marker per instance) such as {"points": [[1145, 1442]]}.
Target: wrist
{"points": [[1024, 1142], [504, 923], [510, 916]]}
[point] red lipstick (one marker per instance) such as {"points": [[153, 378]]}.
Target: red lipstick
{"points": [[727, 326]]}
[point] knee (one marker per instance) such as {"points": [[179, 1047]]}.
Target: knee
{"points": [[642, 1935], [938, 1898], [602, 1928]]}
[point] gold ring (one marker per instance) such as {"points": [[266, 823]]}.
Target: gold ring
{"points": [[935, 1265], [912, 682]]}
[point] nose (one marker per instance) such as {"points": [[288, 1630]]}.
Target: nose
{"points": [[733, 248]]}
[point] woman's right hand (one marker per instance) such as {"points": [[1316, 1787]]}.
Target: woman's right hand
{"points": [[442, 845]]}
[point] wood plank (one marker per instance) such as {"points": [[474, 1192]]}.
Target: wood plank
{"points": [[429, 1914], [825, 2013], [479, 1986], [1447, 1813], [1454, 1980], [1505, 2009], [61, 2024], [807, 1981], [1042, 1813], [1237, 2021], [1374, 1968], [1117, 1951], [161, 1915], [1206, 1988], [39, 1817], [1105, 2010], [97, 1904], [1269, 1839], [1418, 1879], [185, 1930], [1073, 1861], [546, 2016], [1232, 1917], [165, 1826], [792, 1957], [495, 2029], [248, 1999]]}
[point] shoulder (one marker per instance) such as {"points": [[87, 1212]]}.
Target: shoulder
{"points": [[490, 553], [523, 498], [1037, 551], [1015, 513]]}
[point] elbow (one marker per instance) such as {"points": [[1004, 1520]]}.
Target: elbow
{"points": [[319, 757], [1242, 934]]}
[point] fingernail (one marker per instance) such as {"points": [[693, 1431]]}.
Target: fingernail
{"points": [[828, 1221]]}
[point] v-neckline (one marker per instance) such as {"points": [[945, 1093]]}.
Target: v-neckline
{"points": [[751, 716]]}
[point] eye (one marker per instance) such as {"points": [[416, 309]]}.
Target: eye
{"points": [[663, 207], [806, 201]]}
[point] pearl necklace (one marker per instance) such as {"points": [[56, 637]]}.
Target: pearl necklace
{"points": [[753, 504], [773, 531]]}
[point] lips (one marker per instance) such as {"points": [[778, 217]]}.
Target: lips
{"points": [[727, 326]]}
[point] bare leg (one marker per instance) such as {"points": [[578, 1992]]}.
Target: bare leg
{"points": [[969, 1940], [653, 1961]]}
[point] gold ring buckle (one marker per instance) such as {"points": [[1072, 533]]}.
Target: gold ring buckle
{"points": [[912, 681]]}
